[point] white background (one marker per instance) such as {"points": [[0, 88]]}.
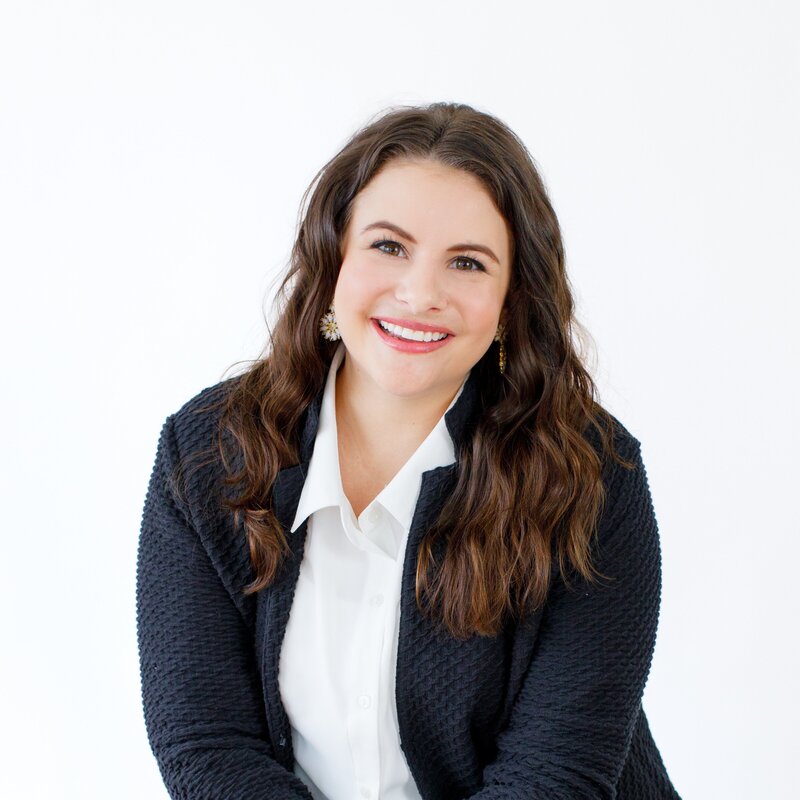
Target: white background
{"points": [[152, 159]]}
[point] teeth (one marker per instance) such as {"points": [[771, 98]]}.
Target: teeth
{"points": [[411, 335]]}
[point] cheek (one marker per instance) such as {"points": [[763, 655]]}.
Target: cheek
{"points": [[358, 285], [482, 314], [347, 288]]}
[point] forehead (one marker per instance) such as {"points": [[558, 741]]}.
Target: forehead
{"points": [[431, 201]]}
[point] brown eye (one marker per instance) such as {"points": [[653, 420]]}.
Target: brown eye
{"points": [[384, 244], [465, 264]]}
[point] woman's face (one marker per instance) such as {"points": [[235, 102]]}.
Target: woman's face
{"points": [[426, 253]]}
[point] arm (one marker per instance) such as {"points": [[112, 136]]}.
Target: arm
{"points": [[571, 726], [201, 689]]}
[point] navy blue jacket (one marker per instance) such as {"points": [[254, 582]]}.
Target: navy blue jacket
{"points": [[548, 709]]}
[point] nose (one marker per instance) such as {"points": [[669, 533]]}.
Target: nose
{"points": [[421, 287]]}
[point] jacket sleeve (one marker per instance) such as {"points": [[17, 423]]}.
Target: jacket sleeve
{"points": [[201, 690], [571, 726]]}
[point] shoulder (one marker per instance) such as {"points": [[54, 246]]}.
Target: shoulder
{"points": [[197, 479], [196, 422], [627, 496], [627, 533], [189, 449], [624, 442]]}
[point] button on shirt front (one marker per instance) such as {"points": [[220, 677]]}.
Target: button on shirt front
{"points": [[339, 654]]}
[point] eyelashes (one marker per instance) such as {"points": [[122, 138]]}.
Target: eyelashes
{"points": [[476, 266], [380, 244]]}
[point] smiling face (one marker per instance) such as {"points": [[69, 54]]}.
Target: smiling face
{"points": [[425, 270]]}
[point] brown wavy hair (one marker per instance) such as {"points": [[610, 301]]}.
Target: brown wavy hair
{"points": [[529, 488]]}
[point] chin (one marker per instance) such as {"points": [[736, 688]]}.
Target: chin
{"points": [[402, 384]]}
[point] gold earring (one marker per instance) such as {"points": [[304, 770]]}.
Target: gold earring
{"points": [[328, 327], [500, 337]]}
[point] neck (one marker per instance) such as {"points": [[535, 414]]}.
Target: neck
{"points": [[383, 423]]}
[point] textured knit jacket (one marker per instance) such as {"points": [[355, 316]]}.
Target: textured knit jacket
{"points": [[548, 709]]}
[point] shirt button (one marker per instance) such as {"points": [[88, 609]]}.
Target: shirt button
{"points": [[365, 792], [364, 700], [377, 600], [374, 514]]}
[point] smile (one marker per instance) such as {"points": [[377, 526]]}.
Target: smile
{"points": [[411, 335], [410, 341]]}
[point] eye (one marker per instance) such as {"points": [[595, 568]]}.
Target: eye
{"points": [[470, 264], [386, 245]]}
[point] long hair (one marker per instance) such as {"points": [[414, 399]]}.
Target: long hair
{"points": [[529, 489]]}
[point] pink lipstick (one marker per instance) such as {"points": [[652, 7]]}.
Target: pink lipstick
{"points": [[407, 345]]}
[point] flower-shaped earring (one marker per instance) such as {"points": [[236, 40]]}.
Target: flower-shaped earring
{"points": [[328, 327]]}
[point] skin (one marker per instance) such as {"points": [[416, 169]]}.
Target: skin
{"points": [[388, 401]]}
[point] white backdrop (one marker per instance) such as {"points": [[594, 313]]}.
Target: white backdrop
{"points": [[152, 159]]}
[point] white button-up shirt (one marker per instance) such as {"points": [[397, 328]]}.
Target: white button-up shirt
{"points": [[339, 655]]}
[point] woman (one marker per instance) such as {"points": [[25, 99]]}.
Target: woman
{"points": [[406, 554]]}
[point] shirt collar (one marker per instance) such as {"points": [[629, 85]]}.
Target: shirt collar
{"points": [[323, 482]]}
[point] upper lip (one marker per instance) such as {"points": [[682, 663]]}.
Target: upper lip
{"points": [[416, 326]]}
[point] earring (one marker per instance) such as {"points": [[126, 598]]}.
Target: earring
{"points": [[328, 327], [500, 337]]}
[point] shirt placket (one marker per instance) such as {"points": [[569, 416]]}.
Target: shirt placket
{"points": [[367, 695]]}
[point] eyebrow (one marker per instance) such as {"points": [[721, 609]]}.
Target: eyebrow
{"points": [[481, 248]]}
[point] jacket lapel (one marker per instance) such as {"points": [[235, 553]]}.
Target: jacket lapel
{"points": [[273, 607]]}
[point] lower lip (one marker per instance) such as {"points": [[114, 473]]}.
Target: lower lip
{"points": [[406, 345]]}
